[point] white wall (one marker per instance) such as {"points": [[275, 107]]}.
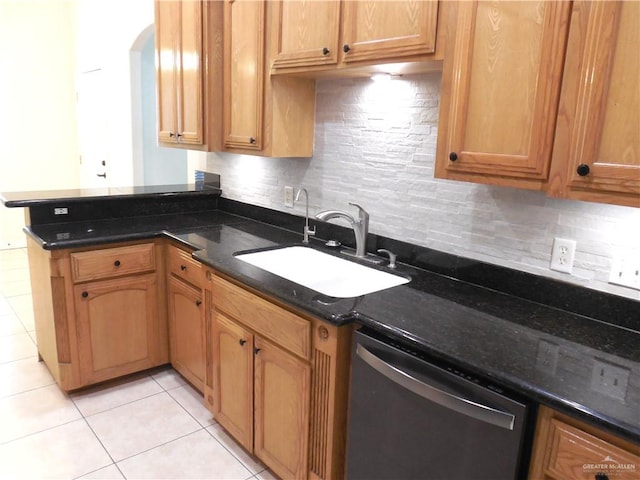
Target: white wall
{"points": [[37, 103], [375, 145]]}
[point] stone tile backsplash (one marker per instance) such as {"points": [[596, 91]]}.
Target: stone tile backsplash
{"points": [[375, 145]]}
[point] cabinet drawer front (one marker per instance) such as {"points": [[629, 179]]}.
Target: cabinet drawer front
{"points": [[576, 454], [112, 262], [277, 324], [182, 265]]}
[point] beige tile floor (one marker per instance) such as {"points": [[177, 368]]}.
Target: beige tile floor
{"points": [[151, 425]]}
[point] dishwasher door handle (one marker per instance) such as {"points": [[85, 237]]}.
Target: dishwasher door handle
{"points": [[467, 407]]}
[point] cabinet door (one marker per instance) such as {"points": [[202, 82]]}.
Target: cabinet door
{"points": [[597, 150], [244, 73], [233, 379], [500, 90], [167, 33], [381, 29], [117, 327], [308, 33], [189, 97], [282, 395], [186, 331]]}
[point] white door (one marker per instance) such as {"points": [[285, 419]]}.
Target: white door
{"points": [[92, 131]]}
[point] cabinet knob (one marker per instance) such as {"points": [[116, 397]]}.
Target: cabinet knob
{"points": [[601, 476], [183, 267], [453, 156], [252, 140], [171, 134], [325, 51], [198, 303], [346, 48], [242, 342], [85, 294], [256, 351], [116, 263], [583, 169]]}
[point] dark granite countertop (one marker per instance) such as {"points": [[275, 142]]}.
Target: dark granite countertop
{"points": [[549, 354], [77, 195]]}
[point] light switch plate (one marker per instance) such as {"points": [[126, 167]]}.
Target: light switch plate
{"points": [[625, 270]]}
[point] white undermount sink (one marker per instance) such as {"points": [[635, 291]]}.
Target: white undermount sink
{"points": [[324, 273]]}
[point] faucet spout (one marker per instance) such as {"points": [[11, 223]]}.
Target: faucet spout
{"points": [[306, 231], [360, 226]]}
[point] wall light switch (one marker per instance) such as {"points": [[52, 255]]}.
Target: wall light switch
{"points": [[625, 270]]}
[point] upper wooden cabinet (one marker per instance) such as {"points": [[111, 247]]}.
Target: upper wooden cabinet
{"points": [[596, 155], [271, 117], [500, 89], [188, 36], [326, 33], [544, 96], [376, 30], [244, 46]]}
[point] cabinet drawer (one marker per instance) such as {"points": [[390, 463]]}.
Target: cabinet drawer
{"points": [[576, 454], [182, 265], [112, 262], [277, 324]]}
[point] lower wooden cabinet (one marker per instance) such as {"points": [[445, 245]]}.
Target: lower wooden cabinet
{"points": [[261, 397], [277, 381], [186, 330], [117, 331], [568, 449], [100, 311]]}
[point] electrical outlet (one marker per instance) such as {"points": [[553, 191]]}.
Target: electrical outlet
{"points": [[288, 197], [609, 379], [562, 255], [625, 270], [547, 357]]}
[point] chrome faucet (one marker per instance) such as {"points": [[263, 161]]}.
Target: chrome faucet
{"points": [[306, 231], [360, 226]]}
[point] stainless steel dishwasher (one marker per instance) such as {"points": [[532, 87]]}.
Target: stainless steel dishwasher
{"points": [[411, 419]]}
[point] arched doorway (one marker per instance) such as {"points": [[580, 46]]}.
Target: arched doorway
{"points": [[152, 165]]}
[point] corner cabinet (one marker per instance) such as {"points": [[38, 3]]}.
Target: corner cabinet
{"points": [[500, 88], [188, 36], [568, 449], [271, 117], [332, 33], [185, 309], [277, 382], [596, 155], [564, 121], [99, 312]]}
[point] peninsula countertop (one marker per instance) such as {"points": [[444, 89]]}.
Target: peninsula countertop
{"points": [[477, 329]]}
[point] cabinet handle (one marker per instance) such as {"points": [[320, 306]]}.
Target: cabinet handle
{"points": [[242, 342], [325, 51], [252, 140], [171, 134], [116, 263], [346, 48], [103, 175], [183, 267], [85, 294], [198, 303], [601, 476], [583, 170], [256, 351], [453, 156]]}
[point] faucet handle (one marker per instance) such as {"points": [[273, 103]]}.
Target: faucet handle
{"points": [[392, 256], [362, 212]]}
